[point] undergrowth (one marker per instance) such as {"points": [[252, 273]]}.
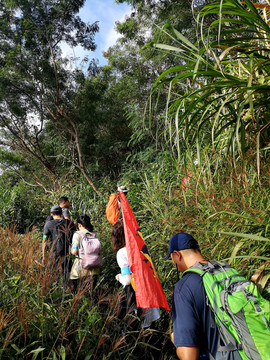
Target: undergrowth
{"points": [[41, 320], [228, 213]]}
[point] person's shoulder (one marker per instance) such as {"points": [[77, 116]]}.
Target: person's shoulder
{"points": [[121, 257], [69, 223], [50, 223], [50, 227], [76, 235], [122, 251], [190, 280], [65, 212], [84, 232], [48, 218], [122, 254]]}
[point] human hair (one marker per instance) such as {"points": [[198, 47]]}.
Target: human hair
{"points": [[84, 220], [193, 244], [62, 200], [118, 236], [56, 213], [194, 247]]}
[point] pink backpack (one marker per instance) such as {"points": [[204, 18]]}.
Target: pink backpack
{"points": [[90, 251]]}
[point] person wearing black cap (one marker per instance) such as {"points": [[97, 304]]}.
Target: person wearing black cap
{"points": [[57, 231], [195, 334]]}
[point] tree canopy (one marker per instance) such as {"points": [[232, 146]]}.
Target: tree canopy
{"points": [[37, 86]]}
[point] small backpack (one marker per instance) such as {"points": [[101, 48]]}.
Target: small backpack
{"points": [[112, 209], [62, 242], [90, 251], [242, 315]]}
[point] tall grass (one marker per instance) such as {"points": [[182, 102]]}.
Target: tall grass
{"points": [[228, 214], [41, 320]]}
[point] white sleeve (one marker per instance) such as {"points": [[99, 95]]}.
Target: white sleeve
{"points": [[122, 261]]}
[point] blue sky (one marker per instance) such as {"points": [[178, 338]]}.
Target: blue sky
{"points": [[106, 12]]}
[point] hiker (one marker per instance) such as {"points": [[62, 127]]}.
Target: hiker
{"points": [[128, 300], [87, 248], [63, 202], [57, 234], [197, 301]]}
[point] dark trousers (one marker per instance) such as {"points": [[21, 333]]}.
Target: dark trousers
{"points": [[63, 262], [128, 310]]}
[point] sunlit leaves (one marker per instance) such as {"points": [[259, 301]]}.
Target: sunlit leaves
{"points": [[227, 97]]}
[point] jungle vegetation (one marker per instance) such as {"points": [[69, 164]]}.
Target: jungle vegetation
{"points": [[180, 115]]}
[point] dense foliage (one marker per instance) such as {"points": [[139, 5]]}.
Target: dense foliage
{"points": [[180, 116]]}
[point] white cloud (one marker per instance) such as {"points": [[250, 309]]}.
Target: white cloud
{"points": [[107, 13], [113, 35]]}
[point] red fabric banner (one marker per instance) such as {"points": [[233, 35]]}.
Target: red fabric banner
{"points": [[148, 290]]}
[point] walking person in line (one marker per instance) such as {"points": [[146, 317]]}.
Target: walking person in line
{"points": [[63, 202], [57, 235], [128, 301], [192, 321], [87, 249], [217, 313]]}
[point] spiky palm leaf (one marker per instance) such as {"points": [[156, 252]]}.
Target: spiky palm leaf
{"points": [[226, 74]]}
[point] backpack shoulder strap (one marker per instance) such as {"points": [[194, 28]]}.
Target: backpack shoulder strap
{"points": [[59, 228], [61, 225], [82, 235], [213, 267], [199, 268], [91, 235]]}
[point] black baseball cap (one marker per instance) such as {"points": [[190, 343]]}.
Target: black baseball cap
{"points": [[56, 208]]}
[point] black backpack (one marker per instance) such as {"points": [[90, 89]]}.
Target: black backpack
{"points": [[64, 231]]}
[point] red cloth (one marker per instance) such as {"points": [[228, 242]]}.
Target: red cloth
{"points": [[148, 290], [185, 181]]}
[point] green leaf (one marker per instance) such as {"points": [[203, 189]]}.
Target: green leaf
{"points": [[19, 351], [63, 352], [167, 47], [247, 257], [245, 236], [182, 38], [36, 352]]}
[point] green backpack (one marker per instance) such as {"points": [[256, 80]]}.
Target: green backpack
{"points": [[241, 313]]}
